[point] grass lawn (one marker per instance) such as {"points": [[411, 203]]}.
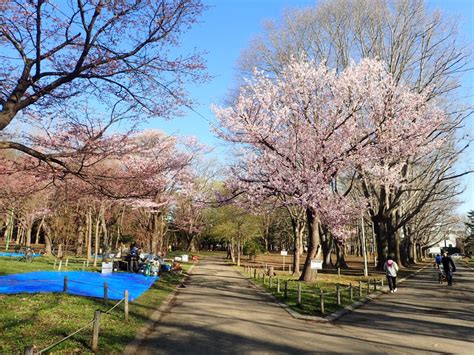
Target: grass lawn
{"points": [[310, 292], [42, 319]]}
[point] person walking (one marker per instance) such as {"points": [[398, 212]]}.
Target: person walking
{"points": [[448, 267], [438, 267], [391, 269]]}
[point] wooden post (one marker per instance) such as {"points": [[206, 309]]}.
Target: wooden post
{"points": [[338, 294], [375, 285], [87, 264], [278, 285], [351, 292], [338, 271], [60, 264], [95, 330], [29, 350], [255, 273], [125, 295], [381, 282], [271, 282], [360, 289], [83, 265], [106, 292], [67, 262], [368, 286], [290, 269], [321, 301], [65, 284], [54, 267], [299, 293], [264, 277]]}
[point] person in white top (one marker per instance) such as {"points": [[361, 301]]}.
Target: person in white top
{"points": [[391, 269]]}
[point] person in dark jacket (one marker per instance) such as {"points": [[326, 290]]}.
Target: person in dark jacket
{"points": [[448, 267]]}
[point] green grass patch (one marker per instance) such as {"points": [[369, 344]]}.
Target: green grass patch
{"points": [[310, 292], [44, 318]]}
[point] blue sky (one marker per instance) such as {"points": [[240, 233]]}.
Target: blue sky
{"points": [[226, 28]]}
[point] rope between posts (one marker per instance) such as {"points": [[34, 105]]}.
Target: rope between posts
{"points": [[110, 310], [70, 335], [77, 331], [54, 281]]}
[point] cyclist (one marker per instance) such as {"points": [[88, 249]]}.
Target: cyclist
{"points": [[448, 267]]}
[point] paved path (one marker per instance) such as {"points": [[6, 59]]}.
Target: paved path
{"points": [[220, 312]]}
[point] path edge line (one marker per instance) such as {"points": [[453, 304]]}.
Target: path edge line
{"points": [[155, 317]]}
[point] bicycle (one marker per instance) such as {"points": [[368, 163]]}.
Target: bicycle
{"points": [[27, 255]]}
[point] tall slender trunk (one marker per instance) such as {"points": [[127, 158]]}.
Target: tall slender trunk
{"points": [[48, 248], [38, 230], [28, 234], [238, 250], [298, 229], [80, 240], [89, 235], [104, 226], [119, 230], [96, 246], [232, 250]]}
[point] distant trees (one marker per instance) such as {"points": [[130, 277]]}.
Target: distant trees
{"points": [[76, 80]]}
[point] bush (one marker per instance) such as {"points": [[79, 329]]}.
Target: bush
{"points": [[253, 247]]}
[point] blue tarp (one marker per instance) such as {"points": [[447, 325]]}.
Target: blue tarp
{"points": [[82, 283], [17, 255]]}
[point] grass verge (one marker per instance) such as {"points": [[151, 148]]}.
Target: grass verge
{"points": [[310, 292], [44, 318]]}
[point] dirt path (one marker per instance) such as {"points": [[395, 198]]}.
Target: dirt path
{"points": [[220, 312]]}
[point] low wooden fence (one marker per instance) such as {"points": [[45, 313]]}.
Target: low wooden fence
{"points": [[315, 297], [95, 322]]}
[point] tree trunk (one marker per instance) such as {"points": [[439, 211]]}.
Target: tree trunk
{"points": [[48, 248], [96, 246], [385, 238], [28, 234], [298, 229], [326, 246], [238, 251], [80, 240], [154, 235], [232, 250], [341, 257], [104, 226], [38, 230], [89, 235], [314, 244]]}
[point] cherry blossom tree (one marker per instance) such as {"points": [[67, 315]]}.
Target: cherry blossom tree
{"points": [[300, 132], [59, 58]]}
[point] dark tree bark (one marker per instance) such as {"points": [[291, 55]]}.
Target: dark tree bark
{"points": [[314, 244]]}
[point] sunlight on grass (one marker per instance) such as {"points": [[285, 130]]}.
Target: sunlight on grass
{"points": [[44, 318]]}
